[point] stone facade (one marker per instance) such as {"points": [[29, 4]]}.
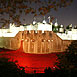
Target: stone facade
{"points": [[38, 43], [46, 42], [11, 43]]}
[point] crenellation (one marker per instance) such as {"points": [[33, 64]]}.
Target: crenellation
{"points": [[39, 42], [38, 38], [32, 31], [39, 31], [26, 31], [50, 33]]}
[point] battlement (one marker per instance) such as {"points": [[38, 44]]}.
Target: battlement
{"points": [[35, 42], [12, 43], [36, 32], [39, 42], [39, 32], [38, 35]]}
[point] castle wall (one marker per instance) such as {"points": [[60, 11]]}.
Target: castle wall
{"points": [[66, 43], [39, 42], [12, 43]]}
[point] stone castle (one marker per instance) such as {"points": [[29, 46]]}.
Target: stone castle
{"points": [[36, 38]]}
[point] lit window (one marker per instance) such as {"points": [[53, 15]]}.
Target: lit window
{"points": [[32, 40], [43, 40], [52, 40], [26, 40], [48, 40]]}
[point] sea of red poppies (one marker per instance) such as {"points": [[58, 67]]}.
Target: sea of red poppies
{"points": [[31, 62]]}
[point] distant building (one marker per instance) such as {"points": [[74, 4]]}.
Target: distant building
{"points": [[70, 33], [38, 37]]}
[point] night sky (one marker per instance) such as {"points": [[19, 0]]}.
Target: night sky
{"points": [[67, 15], [64, 16]]}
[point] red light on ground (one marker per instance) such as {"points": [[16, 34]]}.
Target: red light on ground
{"points": [[31, 62]]}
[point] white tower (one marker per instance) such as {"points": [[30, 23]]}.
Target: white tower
{"points": [[49, 18], [34, 21], [70, 25], [44, 21], [56, 24], [12, 27], [61, 29]]}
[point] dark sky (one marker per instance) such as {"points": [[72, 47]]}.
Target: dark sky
{"points": [[64, 16], [67, 15]]}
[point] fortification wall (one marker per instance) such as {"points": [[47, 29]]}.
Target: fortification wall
{"points": [[66, 43], [12, 43], [39, 42]]}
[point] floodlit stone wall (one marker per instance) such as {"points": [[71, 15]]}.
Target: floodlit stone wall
{"points": [[12, 43], [66, 43], [39, 42]]}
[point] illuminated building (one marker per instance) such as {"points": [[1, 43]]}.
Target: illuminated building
{"points": [[37, 37]]}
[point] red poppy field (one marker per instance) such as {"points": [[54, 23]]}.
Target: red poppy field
{"points": [[31, 62]]}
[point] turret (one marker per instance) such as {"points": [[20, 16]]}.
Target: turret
{"points": [[34, 21], [61, 29], [49, 18], [75, 27], [69, 27], [44, 21], [56, 27], [50, 21], [12, 27], [56, 24]]}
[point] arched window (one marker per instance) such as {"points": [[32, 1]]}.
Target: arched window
{"points": [[32, 40], [48, 40], [43, 40], [26, 40]]}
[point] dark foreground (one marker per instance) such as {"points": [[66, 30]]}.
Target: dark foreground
{"points": [[31, 65]]}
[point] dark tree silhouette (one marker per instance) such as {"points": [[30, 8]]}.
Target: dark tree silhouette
{"points": [[48, 72], [14, 8], [68, 60], [10, 69]]}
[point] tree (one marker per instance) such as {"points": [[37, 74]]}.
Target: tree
{"points": [[68, 60], [14, 8], [48, 72], [10, 69]]}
